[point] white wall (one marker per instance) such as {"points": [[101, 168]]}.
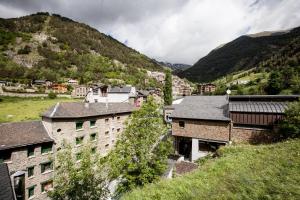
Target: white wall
{"points": [[196, 154]]}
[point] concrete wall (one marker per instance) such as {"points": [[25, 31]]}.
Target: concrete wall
{"points": [[20, 162], [196, 154], [202, 129]]}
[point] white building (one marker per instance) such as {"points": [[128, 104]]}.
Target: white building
{"points": [[111, 94]]}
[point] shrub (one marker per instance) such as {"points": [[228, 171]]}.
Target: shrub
{"points": [[290, 126], [52, 95]]}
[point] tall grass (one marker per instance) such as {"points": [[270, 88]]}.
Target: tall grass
{"points": [[242, 172]]}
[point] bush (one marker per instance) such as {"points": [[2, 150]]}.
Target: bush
{"points": [[52, 95], [25, 50], [290, 126]]}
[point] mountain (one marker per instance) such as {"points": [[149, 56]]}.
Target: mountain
{"points": [[44, 46], [243, 53], [175, 66]]}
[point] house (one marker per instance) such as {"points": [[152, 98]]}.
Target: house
{"points": [[45, 83], [3, 83], [111, 94], [6, 189], [59, 88], [79, 91], [180, 87], [78, 123], [200, 124], [72, 82], [206, 88], [25, 147]]}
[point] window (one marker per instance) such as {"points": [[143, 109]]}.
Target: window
{"points": [[79, 125], [58, 130], [106, 132], [93, 150], [78, 156], [5, 156], [181, 124], [30, 171], [106, 146], [46, 167], [93, 136], [46, 148], [118, 130], [96, 100], [118, 118], [92, 123], [31, 191], [106, 120], [79, 140], [30, 151], [46, 186]]}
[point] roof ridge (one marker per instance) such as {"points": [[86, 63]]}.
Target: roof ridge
{"points": [[54, 110]]}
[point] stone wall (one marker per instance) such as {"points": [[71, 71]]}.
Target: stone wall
{"points": [[202, 129], [252, 135], [20, 162]]}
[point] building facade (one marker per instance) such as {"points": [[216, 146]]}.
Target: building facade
{"points": [[206, 88]]}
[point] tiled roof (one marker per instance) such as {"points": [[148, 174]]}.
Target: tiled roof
{"points": [[202, 107], [20, 134], [80, 110], [258, 107], [125, 89], [6, 190]]}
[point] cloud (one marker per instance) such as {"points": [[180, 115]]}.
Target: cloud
{"points": [[169, 30]]}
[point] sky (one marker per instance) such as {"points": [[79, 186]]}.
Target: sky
{"points": [[176, 31]]}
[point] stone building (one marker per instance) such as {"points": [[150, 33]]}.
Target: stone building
{"points": [[79, 91], [26, 148], [206, 88], [200, 124], [78, 123]]}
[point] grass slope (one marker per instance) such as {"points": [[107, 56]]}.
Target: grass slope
{"points": [[13, 109], [242, 172]]}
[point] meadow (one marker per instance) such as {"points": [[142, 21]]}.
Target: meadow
{"points": [[14, 109]]}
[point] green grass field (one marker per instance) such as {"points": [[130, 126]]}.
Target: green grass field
{"points": [[242, 172], [14, 109]]}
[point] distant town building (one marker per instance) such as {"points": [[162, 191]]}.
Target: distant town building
{"points": [[59, 88], [72, 82], [180, 87], [206, 88], [79, 91], [111, 94], [45, 83], [159, 76]]}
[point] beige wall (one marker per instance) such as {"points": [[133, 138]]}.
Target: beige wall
{"points": [[20, 162], [105, 141], [251, 135], [202, 129]]}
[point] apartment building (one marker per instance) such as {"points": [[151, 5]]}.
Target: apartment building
{"points": [[26, 148]]}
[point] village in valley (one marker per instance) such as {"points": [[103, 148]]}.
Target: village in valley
{"points": [[226, 127]]}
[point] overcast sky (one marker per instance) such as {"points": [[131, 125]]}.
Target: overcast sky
{"points": [[178, 31]]}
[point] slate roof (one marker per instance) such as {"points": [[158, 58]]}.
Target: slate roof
{"points": [[125, 89], [279, 98], [202, 107], [6, 190], [144, 93], [20, 134], [258, 107], [81, 110]]}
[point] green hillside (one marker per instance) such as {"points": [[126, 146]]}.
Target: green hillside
{"points": [[247, 52], [44, 46], [241, 172]]}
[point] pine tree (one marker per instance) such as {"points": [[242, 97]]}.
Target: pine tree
{"points": [[168, 88]]}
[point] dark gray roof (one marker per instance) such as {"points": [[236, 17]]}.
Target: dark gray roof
{"points": [[202, 107], [143, 93], [20, 134], [80, 110], [258, 107], [125, 89], [264, 98], [6, 190]]}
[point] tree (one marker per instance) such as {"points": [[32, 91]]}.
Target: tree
{"points": [[290, 126], [274, 83], [52, 95], [168, 88], [140, 156], [75, 180]]}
